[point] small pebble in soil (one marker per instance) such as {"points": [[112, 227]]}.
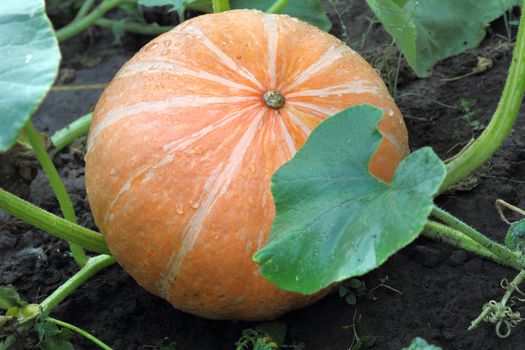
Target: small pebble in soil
{"points": [[37, 255], [428, 256]]}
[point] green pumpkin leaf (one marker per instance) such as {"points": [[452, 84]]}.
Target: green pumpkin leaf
{"points": [[421, 344], [9, 298], [176, 5], [368, 340], [29, 59], [311, 11], [400, 25], [357, 346], [429, 31], [355, 283], [515, 238], [180, 5], [335, 220], [8, 343], [51, 337], [118, 29], [351, 298]]}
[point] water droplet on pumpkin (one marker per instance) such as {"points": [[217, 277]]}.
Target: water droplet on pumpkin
{"points": [[165, 52], [113, 172], [389, 111], [166, 43], [252, 168], [194, 204], [216, 236], [179, 208]]}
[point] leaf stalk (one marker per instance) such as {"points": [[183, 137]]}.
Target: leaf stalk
{"points": [[220, 5], [93, 266], [80, 331], [82, 23], [278, 6], [437, 231], [506, 256], [490, 140], [51, 223], [66, 206], [63, 137], [135, 27]]}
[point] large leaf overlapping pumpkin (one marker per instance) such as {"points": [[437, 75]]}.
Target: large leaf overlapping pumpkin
{"points": [[184, 143]]}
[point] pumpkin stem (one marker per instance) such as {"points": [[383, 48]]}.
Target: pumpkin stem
{"points": [[273, 99]]}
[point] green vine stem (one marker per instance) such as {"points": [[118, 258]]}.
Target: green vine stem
{"points": [[436, 231], [80, 331], [499, 312], [135, 27], [51, 223], [220, 5], [507, 256], [278, 6], [93, 266], [63, 137], [447, 234], [79, 25], [84, 9], [66, 206], [502, 121]]}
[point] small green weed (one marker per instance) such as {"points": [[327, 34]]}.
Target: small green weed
{"points": [[469, 114], [354, 288], [360, 342], [266, 336]]}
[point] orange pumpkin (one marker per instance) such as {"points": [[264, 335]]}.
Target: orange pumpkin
{"points": [[185, 139]]}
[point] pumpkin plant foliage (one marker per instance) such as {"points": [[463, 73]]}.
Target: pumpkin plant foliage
{"points": [[30, 58], [429, 31], [515, 237], [311, 11], [334, 219], [421, 344]]}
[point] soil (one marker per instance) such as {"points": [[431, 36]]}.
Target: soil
{"points": [[441, 288]]}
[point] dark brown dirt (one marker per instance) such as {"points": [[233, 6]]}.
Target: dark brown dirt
{"points": [[442, 288]]}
